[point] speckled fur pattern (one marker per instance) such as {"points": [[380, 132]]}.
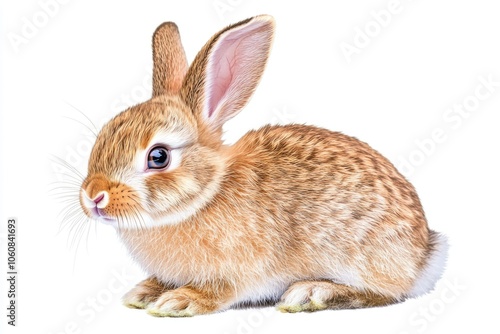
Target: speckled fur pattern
{"points": [[305, 217]]}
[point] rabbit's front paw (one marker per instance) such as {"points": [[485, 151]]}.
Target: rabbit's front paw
{"points": [[185, 302], [144, 293]]}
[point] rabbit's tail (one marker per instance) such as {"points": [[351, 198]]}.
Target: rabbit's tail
{"points": [[434, 264]]}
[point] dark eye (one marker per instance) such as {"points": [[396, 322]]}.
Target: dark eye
{"points": [[158, 158]]}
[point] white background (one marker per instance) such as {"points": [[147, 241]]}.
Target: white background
{"points": [[394, 93]]}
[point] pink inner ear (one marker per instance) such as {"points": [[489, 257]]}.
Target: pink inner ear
{"points": [[234, 68], [221, 71]]}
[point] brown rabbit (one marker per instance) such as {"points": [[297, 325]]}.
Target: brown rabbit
{"points": [[298, 215]]}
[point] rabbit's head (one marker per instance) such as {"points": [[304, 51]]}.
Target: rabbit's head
{"points": [[161, 161]]}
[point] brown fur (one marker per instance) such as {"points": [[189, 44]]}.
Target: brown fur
{"points": [[169, 59], [334, 296], [288, 212], [145, 293]]}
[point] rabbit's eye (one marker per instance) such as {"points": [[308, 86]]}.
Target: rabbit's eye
{"points": [[158, 158]]}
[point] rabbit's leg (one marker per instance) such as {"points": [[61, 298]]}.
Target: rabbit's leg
{"points": [[191, 300], [311, 296], [145, 293]]}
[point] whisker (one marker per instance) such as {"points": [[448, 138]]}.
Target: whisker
{"points": [[68, 199], [93, 131], [72, 220], [63, 190], [66, 184], [138, 218], [70, 224], [128, 218], [75, 227], [77, 237], [73, 236], [77, 175], [85, 125], [60, 193], [89, 228]]}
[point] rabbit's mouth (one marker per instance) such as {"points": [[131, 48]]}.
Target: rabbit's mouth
{"points": [[99, 215], [96, 206], [110, 203]]}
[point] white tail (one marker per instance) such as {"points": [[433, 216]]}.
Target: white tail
{"points": [[434, 268]]}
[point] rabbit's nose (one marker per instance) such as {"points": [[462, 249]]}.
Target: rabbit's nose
{"points": [[100, 200], [94, 192]]}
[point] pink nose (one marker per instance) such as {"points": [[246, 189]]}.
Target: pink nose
{"points": [[98, 198]]}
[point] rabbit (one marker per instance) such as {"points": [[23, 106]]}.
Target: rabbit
{"points": [[295, 216]]}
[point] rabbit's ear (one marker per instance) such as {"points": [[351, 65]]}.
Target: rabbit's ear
{"points": [[169, 60], [227, 70]]}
